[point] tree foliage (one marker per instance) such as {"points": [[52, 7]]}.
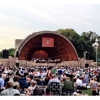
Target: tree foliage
{"points": [[88, 40], [81, 42], [72, 36], [1, 54], [11, 52]]}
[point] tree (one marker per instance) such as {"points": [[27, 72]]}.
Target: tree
{"points": [[68, 33], [72, 36], [1, 54], [11, 51], [81, 42], [87, 40]]}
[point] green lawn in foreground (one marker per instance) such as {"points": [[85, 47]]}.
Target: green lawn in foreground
{"points": [[88, 91]]}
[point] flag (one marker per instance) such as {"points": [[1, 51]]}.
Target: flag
{"points": [[96, 40]]}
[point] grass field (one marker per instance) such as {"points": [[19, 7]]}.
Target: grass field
{"points": [[88, 91]]}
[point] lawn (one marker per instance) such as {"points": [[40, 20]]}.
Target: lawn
{"points": [[88, 91]]}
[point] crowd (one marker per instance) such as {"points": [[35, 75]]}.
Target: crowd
{"points": [[48, 81]]}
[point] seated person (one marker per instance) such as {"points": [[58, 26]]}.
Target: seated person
{"points": [[47, 92], [9, 91], [78, 93], [68, 85], [55, 85], [54, 79], [79, 84], [16, 83], [59, 71], [34, 89]]}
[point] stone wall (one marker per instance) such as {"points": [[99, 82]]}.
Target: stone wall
{"points": [[12, 61]]}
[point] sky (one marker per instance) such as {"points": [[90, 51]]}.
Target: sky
{"points": [[19, 18]]}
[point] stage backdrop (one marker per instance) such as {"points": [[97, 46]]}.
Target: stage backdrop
{"points": [[47, 42]]}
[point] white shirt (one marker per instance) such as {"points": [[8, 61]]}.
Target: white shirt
{"points": [[10, 92], [37, 74], [43, 74], [78, 82]]}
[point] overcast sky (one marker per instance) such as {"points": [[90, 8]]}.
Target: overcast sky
{"points": [[19, 18]]}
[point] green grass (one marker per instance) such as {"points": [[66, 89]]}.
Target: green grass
{"points": [[88, 91]]}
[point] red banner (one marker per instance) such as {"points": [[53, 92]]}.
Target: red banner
{"points": [[47, 42]]}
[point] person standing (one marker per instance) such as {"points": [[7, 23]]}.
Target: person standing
{"points": [[49, 75]]}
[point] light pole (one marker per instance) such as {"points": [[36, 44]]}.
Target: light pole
{"points": [[85, 58], [96, 47]]}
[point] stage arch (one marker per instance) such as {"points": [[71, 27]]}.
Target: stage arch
{"points": [[48, 44]]}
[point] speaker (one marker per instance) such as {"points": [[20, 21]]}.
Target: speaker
{"points": [[17, 64], [87, 55], [5, 54], [86, 65]]}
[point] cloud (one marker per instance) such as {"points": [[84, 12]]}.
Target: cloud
{"points": [[49, 2], [18, 20]]}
